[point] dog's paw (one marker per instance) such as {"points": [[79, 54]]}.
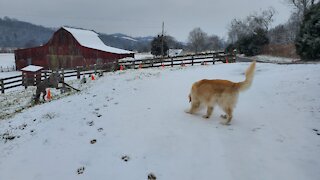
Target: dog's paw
{"points": [[225, 123], [187, 111], [224, 116], [206, 116]]}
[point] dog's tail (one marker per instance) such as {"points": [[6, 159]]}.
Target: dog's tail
{"points": [[244, 85]]}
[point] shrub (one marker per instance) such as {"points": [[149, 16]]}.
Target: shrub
{"points": [[308, 40]]}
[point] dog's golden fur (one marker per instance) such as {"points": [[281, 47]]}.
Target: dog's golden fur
{"points": [[223, 93]]}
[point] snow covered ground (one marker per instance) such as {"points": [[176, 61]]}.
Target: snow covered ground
{"points": [[6, 60], [131, 124], [273, 59]]}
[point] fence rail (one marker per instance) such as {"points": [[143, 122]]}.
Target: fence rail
{"points": [[179, 60], [193, 59], [20, 80]]}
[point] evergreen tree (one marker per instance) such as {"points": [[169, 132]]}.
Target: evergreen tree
{"points": [[252, 44], [308, 40], [156, 45]]}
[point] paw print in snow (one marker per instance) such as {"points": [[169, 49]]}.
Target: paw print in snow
{"points": [[125, 158], [151, 176], [81, 170]]}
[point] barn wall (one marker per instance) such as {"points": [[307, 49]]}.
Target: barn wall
{"points": [[63, 51]]}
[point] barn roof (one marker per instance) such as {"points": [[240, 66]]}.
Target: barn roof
{"points": [[90, 39]]}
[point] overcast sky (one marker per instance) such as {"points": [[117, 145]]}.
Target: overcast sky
{"points": [[141, 17]]}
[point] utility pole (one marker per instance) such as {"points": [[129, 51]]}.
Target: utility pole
{"points": [[162, 53]]}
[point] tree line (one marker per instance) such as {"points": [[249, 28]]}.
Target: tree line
{"points": [[251, 35]]}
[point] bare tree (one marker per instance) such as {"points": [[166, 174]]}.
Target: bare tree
{"points": [[197, 40], [214, 43], [239, 28], [302, 5], [263, 20]]}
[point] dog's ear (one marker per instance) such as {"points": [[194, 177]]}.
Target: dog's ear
{"points": [[189, 98]]}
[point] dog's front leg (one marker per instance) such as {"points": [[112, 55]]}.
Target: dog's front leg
{"points": [[227, 116], [209, 112]]}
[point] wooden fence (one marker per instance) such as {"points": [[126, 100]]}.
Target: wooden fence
{"points": [[19, 80], [193, 59]]}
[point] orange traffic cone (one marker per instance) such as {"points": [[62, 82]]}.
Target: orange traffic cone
{"points": [[162, 65], [227, 60], [48, 95], [92, 77], [140, 66], [121, 68]]}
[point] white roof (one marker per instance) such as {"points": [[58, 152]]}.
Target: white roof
{"points": [[90, 39], [175, 52], [31, 68]]}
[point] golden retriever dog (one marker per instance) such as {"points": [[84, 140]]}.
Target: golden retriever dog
{"points": [[223, 93]]}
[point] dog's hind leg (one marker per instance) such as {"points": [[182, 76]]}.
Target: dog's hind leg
{"points": [[195, 105], [209, 112], [228, 116]]}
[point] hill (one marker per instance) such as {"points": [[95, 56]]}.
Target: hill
{"points": [[20, 34]]}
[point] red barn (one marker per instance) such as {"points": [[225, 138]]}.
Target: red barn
{"points": [[68, 48]]}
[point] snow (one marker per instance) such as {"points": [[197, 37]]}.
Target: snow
{"points": [[32, 68], [91, 39], [274, 59], [174, 52], [138, 56], [9, 74], [7, 60], [137, 119], [129, 38]]}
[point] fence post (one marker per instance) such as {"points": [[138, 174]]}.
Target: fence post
{"points": [[151, 62], [172, 62], [78, 72], [24, 81], [38, 78], [63, 85], [2, 86], [213, 58], [134, 64], [95, 68], [192, 60]]}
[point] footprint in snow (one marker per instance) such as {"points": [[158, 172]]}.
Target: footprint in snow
{"points": [[125, 158], [255, 129], [317, 131], [32, 132], [151, 176], [90, 123], [23, 126], [97, 114], [80, 170], [93, 141]]}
